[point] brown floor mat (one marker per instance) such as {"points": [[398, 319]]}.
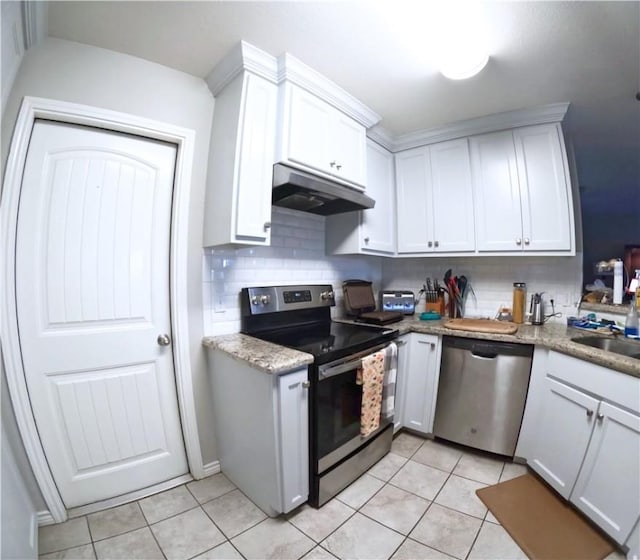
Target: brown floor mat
{"points": [[543, 525]]}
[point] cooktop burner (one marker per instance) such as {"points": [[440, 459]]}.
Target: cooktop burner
{"points": [[328, 341], [299, 317]]}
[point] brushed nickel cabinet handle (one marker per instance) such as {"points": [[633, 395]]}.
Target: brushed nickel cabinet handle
{"points": [[589, 413]]}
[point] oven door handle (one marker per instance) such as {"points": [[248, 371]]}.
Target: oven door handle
{"points": [[341, 368], [350, 363]]}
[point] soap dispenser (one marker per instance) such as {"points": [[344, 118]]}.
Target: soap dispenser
{"points": [[631, 324]]}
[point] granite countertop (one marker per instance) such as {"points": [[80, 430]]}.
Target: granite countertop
{"points": [[259, 354], [275, 359]]}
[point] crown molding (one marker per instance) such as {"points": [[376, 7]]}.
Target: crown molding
{"points": [[292, 70], [551, 113], [245, 57], [242, 57]]}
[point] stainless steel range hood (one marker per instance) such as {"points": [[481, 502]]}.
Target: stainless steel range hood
{"points": [[300, 190]]}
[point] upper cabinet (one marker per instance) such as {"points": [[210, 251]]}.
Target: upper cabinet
{"points": [[370, 231], [522, 191], [315, 135], [270, 110], [238, 198], [435, 199]]}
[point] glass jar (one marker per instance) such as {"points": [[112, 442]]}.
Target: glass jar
{"points": [[519, 299]]}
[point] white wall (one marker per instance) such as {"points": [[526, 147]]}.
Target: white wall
{"points": [[68, 71], [21, 499], [296, 256]]}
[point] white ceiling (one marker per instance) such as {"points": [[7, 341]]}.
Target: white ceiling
{"points": [[587, 53]]}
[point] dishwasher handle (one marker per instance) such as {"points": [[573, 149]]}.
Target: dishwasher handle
{"points": [[484, 355]]}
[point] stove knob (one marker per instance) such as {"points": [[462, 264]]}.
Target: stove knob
{"points": [[326, 295], [265, 299]]}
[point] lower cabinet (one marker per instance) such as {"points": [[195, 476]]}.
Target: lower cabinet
{"points": [[586, 442], [418, 372], [261, 428]]}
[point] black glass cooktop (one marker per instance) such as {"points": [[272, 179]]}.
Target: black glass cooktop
{"points": [[329, 341]]}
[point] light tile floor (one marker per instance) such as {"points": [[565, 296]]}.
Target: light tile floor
{"points": [[418, 502]]}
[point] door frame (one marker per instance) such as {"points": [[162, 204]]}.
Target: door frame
{"points": [[33, 108]]}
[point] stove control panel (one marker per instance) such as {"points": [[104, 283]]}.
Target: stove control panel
{"points": [[271, 299]]}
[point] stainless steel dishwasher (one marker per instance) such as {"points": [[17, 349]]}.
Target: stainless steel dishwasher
{"points": [[482, 391]]}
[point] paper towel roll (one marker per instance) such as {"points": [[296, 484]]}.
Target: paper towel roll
{"points": [[617, 283]]}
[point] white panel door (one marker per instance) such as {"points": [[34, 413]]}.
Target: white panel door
{"points": [[453, 221], [496, 192], [420, 387], [608, 487], [546, 215], [92, 288], [565, 425], [413, 177]]}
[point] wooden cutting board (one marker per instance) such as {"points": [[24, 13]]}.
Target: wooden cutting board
{"points": [[482, 325]]}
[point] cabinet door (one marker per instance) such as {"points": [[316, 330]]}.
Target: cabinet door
{"points": [[309, 134], [413, 200], [255, 166], [453, 220], [293, 414], [608, 487], [348, 149], [565, 424], [420, 389], [377, 227], [402, 378], [496, 192], [547, 217]]}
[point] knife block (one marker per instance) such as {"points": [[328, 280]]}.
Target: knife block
{"points": [[437, 306]]}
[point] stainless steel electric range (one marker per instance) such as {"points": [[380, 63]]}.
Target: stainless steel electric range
{"points": [[299, 317]]}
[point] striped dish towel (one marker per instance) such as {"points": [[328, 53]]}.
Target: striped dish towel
{"points": [[389, 385], [377, 375]]}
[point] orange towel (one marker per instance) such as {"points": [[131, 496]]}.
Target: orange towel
{"points": [[371, 377]]}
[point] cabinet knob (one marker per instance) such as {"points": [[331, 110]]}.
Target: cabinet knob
{"points": [[332, 163], [526, 241], [436, 243], [306, 384], [338, 167], [366, 239], [518, 241], [267, 225], [589, 413], [600, 417], [430, 244], [401, 342]]}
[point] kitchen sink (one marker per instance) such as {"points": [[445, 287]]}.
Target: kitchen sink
{"points": [[624, 347]]}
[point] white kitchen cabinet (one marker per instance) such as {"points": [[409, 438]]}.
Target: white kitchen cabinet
{"points": [[564, 428], [522, 191], [293, 419], [369, 231], [402, 375], [611, 472], [262, 431], [435, 199], [421, 371], [239, 179], [313, 134], [582, 435]]}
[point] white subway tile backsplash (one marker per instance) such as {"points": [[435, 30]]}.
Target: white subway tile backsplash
{"points": [[297, 256]]}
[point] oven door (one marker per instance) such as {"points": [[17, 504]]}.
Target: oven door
{"points": [[336, 403]]}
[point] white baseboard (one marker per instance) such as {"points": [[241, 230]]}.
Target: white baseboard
{"points": [[45, 518], [211, 468]]}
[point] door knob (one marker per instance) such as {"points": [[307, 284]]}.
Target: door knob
{"points": [[164, 340]]}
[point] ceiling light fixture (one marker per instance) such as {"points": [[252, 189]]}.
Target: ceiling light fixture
{"points": [[462, 48]]}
